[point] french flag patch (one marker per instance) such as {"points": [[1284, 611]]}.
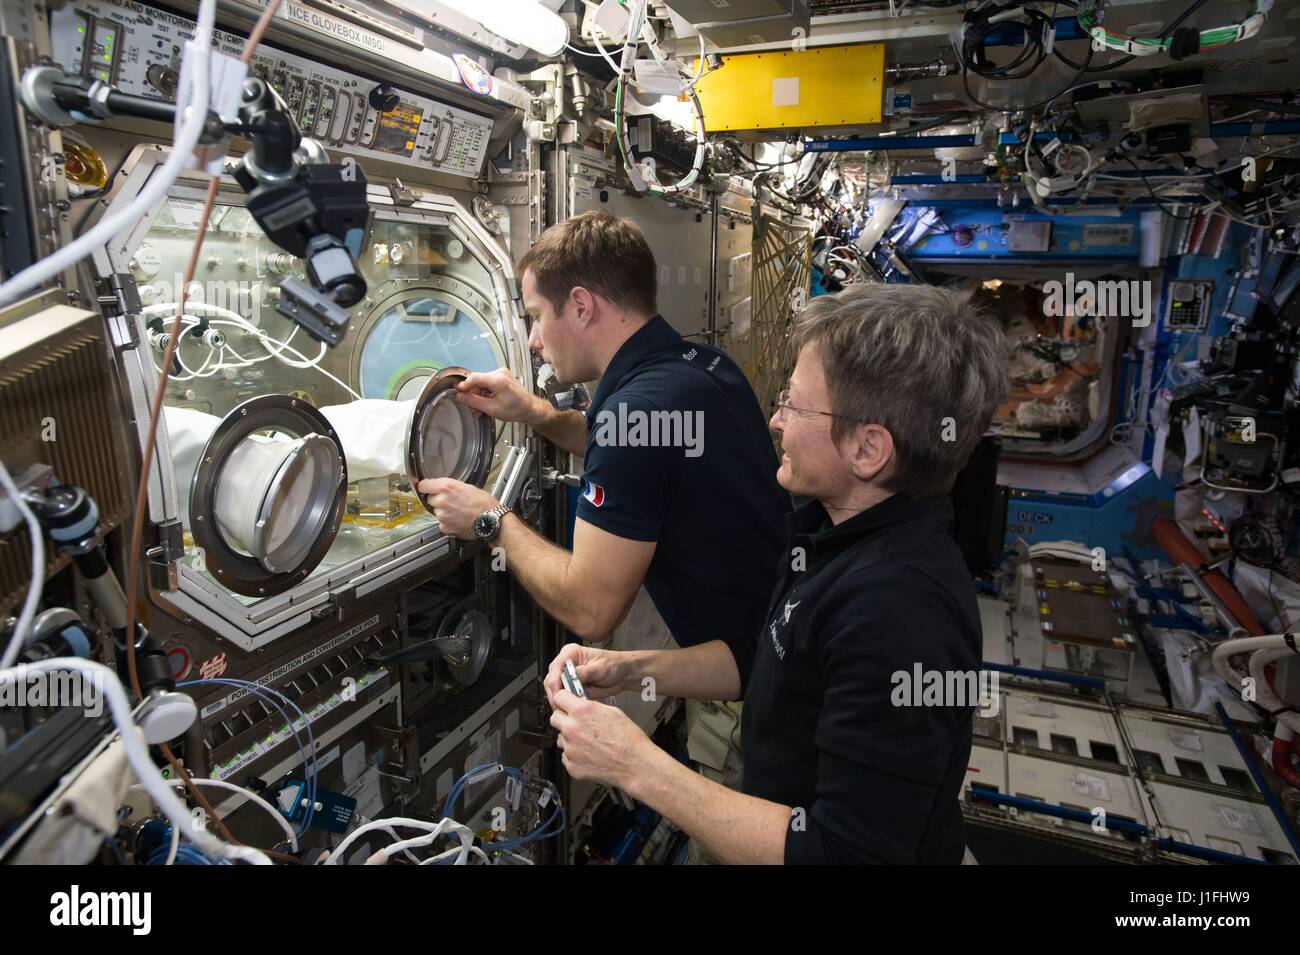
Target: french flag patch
{"points": [[593, 492]]}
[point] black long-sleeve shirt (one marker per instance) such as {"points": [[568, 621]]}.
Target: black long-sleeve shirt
{"points": [[860, 607]]}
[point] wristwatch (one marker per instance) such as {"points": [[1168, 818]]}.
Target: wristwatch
{"points": [[488, 524]]}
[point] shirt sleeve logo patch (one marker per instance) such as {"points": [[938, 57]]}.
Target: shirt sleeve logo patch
{"points": [[593, 493]]}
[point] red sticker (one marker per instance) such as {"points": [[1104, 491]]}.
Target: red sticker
{"points": [[213, 667]]}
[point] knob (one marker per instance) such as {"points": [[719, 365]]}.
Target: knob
{"points": [[384, 98]]}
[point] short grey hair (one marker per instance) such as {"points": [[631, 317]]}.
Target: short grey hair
{"points": [[921, 362]]}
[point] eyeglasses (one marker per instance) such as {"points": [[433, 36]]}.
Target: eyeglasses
{"points": [[783, 405]]}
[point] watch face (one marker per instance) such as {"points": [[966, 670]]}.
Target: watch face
{"points": [[485, 526]]}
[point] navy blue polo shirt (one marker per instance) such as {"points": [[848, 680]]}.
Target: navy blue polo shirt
{"points": [[678, 452]]}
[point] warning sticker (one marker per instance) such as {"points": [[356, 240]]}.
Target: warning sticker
{"points": [[212, 667], [1240, 818], [1092, 786], [185, 212]]}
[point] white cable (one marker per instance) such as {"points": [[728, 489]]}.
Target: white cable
{"points": [[386, 824], [473, 850], [285, 344], [462, 855], [237, 320], [444, 827], [174, 847], [155, 190], [248, 794], [244, 362], [573, 49], [189, 372], [1069, 550], [380, 825], [137, 755], [203, 372], [305, 363], [1225, 651], [624, 70], [23, 630], [595, 36], [699, 67], [635, 25], [410, 855], [262, 336], [1264, 694]]}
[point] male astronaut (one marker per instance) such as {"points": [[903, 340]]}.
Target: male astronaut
{"points": [[679, 484], [892, 389]]}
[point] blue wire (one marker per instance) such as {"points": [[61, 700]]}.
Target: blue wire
{"points": [[459, 786], [268, 694], [309, 765], [185, 855], [541, 832], [536, 835]]}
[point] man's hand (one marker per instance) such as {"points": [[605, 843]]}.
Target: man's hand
{"points": [[603, 672], [599, 742], [456, 505], [500, 395]]}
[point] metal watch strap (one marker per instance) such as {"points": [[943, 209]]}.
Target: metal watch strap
{"points": [[499, 512]]}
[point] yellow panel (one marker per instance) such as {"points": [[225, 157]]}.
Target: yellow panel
{"points": [[824, 86]]}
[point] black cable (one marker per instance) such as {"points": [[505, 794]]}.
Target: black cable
{"points": [[972, 57], [1282, 109], [1060, 54], [924, 125], [1154, 195], [786, 203], [965, 82], [735, 148], [1032, 23], [1129, 57], [1056, 48]]}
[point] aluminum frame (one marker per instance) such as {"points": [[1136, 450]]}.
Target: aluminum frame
{"points": [[189, 594]]}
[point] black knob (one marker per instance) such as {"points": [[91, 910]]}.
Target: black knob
{"points": [[384, 98]]}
